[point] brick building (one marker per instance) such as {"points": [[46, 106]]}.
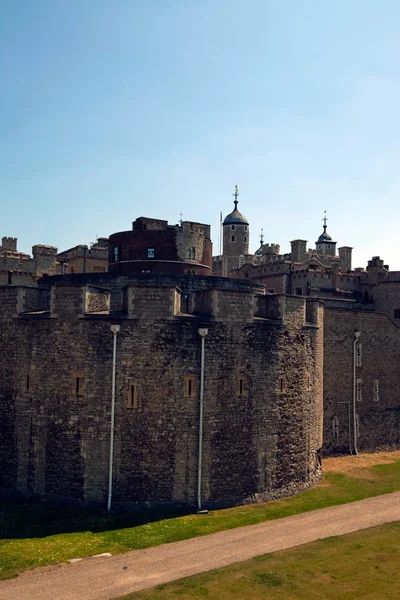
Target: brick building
{"points": [[153, 246]]}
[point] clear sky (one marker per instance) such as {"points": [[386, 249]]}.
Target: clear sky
{"points": [[114, 109]]}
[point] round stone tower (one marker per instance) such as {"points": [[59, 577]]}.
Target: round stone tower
{"points": [[235, 238]]}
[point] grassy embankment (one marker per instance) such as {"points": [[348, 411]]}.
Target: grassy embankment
{"points": [[364, 565], [35, 535]]}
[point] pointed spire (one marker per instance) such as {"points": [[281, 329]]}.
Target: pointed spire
{"points": [[325, 220], [262, 237], [236, 194]]}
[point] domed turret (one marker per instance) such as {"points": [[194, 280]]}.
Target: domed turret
{"points": [[325, 244], [235, 236]]}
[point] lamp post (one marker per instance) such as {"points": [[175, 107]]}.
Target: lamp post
{"points": [[202, 333], [115, 330]]}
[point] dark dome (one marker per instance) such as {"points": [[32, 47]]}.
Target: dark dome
{"points": [[324, 237], [235, 217]]}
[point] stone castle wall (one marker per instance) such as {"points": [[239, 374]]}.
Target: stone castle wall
{"points": [[378, 415], [262, 395]]}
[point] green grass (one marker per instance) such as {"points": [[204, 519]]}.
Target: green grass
{"points": [[363, 565], [26, 541]]}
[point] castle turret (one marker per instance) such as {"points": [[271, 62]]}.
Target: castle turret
{"points": [[325, 245], [235, 237]]}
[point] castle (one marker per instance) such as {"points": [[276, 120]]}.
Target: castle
{"points": [[222, 379]]}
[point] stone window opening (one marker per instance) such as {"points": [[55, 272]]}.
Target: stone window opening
{"points": [[132, 400], [245, 238], [358, 354], [233, 228], [150, 253], [190, 386], [281, 385], [308, 381], [359, 390], [396, 313], [28, 383], [245, 228], [193, 254], [241, 386], [77, 378], [335, 428], [116, 253], [232, 238], [188, 253], [298, 291], [376, 390]]}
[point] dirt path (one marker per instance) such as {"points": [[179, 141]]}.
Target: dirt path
{"points": [[105, 578]]}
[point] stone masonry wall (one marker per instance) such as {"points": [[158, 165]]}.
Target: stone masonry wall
{"points": [[260, 440], [378, 419]]}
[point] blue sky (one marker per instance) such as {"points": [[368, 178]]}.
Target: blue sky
{"points": [[114, 110]]}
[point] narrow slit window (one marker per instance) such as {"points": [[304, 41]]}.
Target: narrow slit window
{"points": [[193, 254], [281, 383], [190, 386], [77, 382], [28, 383], [241, 386], [232, 238], [359, 390], [358, 354], [308, 381], [376, 390], [132, 401], [335, 427], [188, 254]]}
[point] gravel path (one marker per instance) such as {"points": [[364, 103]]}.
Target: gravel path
{"points": [[104, 578]]}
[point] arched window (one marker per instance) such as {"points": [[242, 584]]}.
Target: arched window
{"points": [[232, 238], [193, 254], [233, 228], [188, 253], [245, 239]]}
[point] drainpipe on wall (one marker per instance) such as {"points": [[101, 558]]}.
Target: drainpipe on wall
{"points": [[356, 339], [115, 330], [202, 333]]}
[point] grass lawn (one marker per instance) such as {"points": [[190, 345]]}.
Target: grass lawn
{"points": [[25, 530], [363, 565]]}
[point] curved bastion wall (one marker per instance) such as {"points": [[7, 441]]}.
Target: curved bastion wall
{"points": [[262, 393]]}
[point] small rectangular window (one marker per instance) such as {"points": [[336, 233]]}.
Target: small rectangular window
{"points": [[232, 238], [150, 252], [193, 254], [376, 390], [116, 253], [298, 291], [132, 400], [358, 354], [190, 386], [359, 390], [271, 291], [241, 386]]}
